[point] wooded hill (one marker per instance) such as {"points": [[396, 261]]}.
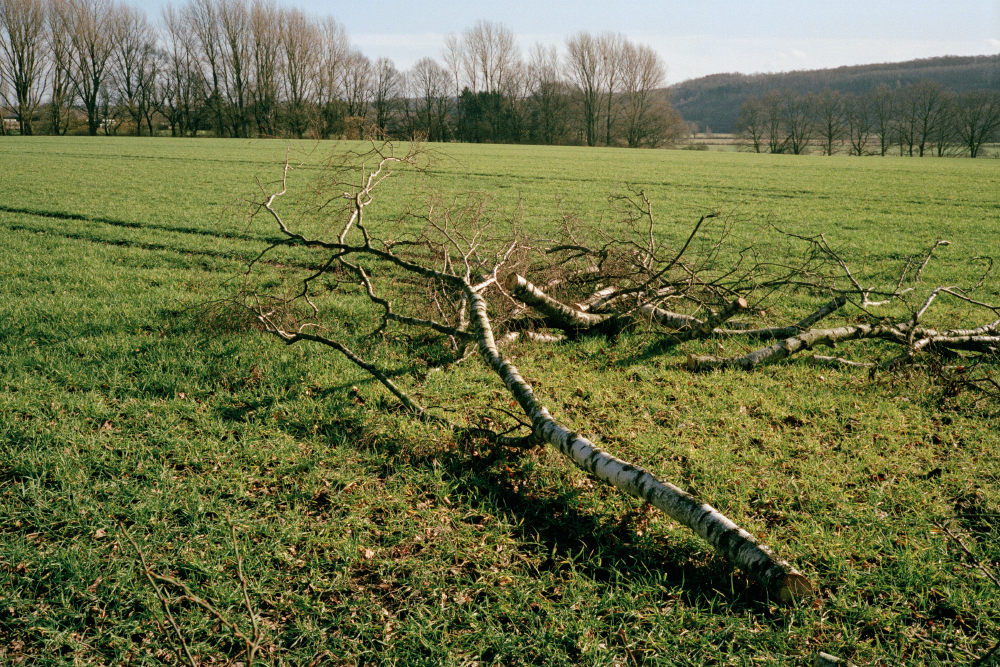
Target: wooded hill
{"points": [[713, 102]]}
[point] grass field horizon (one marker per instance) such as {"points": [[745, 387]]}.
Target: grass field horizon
{"points": [[365, 538]]}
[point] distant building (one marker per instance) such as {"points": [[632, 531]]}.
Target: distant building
{"points": [[10, 122]]}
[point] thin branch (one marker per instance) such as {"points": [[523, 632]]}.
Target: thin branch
{"points": [[916, 277], [408, 403], [982, 568], [989, 575], [150, 577], [252, 649]]}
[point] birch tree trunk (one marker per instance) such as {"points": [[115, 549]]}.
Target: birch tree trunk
{"points": [[738, 546]]}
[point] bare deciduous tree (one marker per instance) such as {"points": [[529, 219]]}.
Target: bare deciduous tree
{"points": [[977, 119], [302, 43], [454, 59], [751, 125], [493, 66], [385, 92], [583, 63], [548, 104], [203, 17], [596, 67], [335, 50], [831, 118], [237, 62], [22, 59], [643, 72], [774, 122], [266, 21], [4, 95], [135, 65], [492, 54], [60, 47], [859, 119], [356, 82], [943, 137], [884, 109], [429, 86], [798, 118], [89, 24], [611, 48], [181, 80], [923, 109]]}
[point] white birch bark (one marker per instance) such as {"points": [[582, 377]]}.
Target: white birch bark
{"points": [[561, 315], [786, 348], [914, 340], [738, 546]]}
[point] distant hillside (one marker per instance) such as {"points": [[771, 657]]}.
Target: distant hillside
{"points": [[714, 101]]}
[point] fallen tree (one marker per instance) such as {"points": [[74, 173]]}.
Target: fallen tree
{"points": [[460, 271], [452, 271]]}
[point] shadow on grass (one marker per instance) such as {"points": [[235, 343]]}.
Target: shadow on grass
{"points": [[114, 222], [602, 547], [554, 529], [242, 411], [660, 348]]}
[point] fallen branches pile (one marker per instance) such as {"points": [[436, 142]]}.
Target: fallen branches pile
{"points": [[450, 270], [636, 296], [463, 272]]}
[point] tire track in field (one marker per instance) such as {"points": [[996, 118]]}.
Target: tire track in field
{"points": [[145, 157], [236, 257], [124, 243], [62, 215], [734, 192]]}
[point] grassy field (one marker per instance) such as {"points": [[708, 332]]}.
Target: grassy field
{"points": [[134, 427]]}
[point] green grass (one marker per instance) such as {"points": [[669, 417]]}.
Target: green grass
{"points": [[368, 539]]}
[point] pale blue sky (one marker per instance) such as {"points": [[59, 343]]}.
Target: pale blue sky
{"points": [[694, 38]]}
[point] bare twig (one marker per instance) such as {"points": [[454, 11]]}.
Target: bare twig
{"points": [[251, 644], [989, 575], [255, 646], [161, 596], [982, 568]]}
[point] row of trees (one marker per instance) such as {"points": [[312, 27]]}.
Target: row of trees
{"points": [[923, 118], [244, 68], [714, 101], [605, 91]]}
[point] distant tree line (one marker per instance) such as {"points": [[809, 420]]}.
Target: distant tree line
{"points": [[241, 68], [923, 118], [713, 102]]}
